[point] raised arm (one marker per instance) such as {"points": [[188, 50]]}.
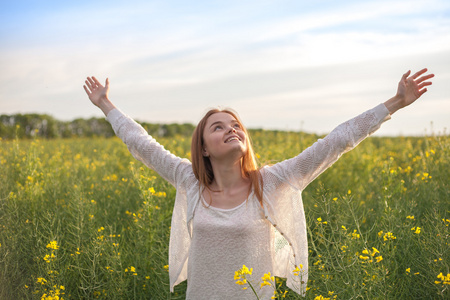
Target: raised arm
{"points": [[141, 145], [305, 167]]}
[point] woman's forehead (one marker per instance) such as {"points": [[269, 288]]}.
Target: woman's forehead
{"points": [[222, 117]]}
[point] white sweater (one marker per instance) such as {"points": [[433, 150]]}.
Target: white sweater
{"points": [[282, 201]]}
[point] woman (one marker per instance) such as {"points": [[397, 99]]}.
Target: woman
{"points": [[228, 212]]}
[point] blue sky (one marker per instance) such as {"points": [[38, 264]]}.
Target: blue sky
{"points": [[289, 65]]}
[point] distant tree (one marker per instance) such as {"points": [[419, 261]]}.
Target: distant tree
{"points": [[44, 126]]}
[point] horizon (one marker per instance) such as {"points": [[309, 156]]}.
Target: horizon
{"points": [[426, 133]]}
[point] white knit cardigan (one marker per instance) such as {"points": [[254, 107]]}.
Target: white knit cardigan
{"points": [[283, 184]]}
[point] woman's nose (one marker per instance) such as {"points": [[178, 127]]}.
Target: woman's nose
{"points": [[232, 129]]}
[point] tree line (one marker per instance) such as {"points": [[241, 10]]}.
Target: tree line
{"points": [[24, 126]]}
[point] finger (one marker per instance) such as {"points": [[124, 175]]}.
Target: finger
{"points": [[89, 85], [423, 78], [96, 81], [91, 81], [419, 73], [420, 86], [87, 91], [406, 75], [107, 83], [422, 92]]}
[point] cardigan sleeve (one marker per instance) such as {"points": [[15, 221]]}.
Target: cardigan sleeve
{"points": [[305, 167], [145, 148]]}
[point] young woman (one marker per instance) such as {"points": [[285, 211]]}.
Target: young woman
{"points": [[229, 212]]}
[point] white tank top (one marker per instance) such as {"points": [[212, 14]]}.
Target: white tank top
{"points": [[223, 240]]}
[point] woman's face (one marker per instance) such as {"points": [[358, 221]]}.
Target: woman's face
{"points": [[224, 137]]}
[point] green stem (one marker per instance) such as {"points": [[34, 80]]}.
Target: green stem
{"points": [[251, 286]]}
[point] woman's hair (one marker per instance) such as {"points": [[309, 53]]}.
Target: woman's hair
{"points": [[202, 165]]}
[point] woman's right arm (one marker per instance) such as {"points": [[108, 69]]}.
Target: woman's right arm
{"points": [[141, 145]]}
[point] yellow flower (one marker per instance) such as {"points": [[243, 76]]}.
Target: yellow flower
{"points": [[410, 217], [388, 236], [363, 257], [49, 257], [355, 235], [241, 275], [375, 251], [53, 245], [444, 279], [379, 258], [267, 277], [408, 270], [320, 297], [245, 270], [416, 230], [242, 272], [297, 271]]}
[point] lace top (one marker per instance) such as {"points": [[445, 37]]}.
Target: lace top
{"points": [[282, 201]]}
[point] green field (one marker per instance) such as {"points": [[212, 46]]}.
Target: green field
{"points": [[81, 219]]}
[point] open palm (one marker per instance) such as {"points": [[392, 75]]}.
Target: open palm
{"points": [[411, 88], [95, 90]]}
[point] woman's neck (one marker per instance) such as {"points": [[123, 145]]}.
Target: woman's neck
{"points": [[227, 177], [229, 187]]}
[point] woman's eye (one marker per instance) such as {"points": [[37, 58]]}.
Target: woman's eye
{"points": [[237, 126], [217, 128]]}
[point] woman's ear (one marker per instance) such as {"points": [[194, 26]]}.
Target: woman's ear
{"points": [[205, 153]]}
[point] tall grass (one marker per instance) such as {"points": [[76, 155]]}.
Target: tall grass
{"points": [[81, 219]]}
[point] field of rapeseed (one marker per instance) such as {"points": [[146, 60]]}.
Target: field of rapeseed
{"points": [[81, 219]]}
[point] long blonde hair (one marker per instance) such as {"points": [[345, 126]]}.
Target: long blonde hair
{"points": [[202, 167]]}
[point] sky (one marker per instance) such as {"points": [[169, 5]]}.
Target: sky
{"points": [[285, 64]]}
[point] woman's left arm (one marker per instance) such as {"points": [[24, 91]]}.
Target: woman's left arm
{"points": [[299, 171]]}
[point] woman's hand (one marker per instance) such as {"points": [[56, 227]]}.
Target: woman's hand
{"points": [[98, 94], [410, 88]]}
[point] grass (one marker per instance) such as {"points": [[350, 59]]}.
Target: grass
{"points": [[81, 219]]}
